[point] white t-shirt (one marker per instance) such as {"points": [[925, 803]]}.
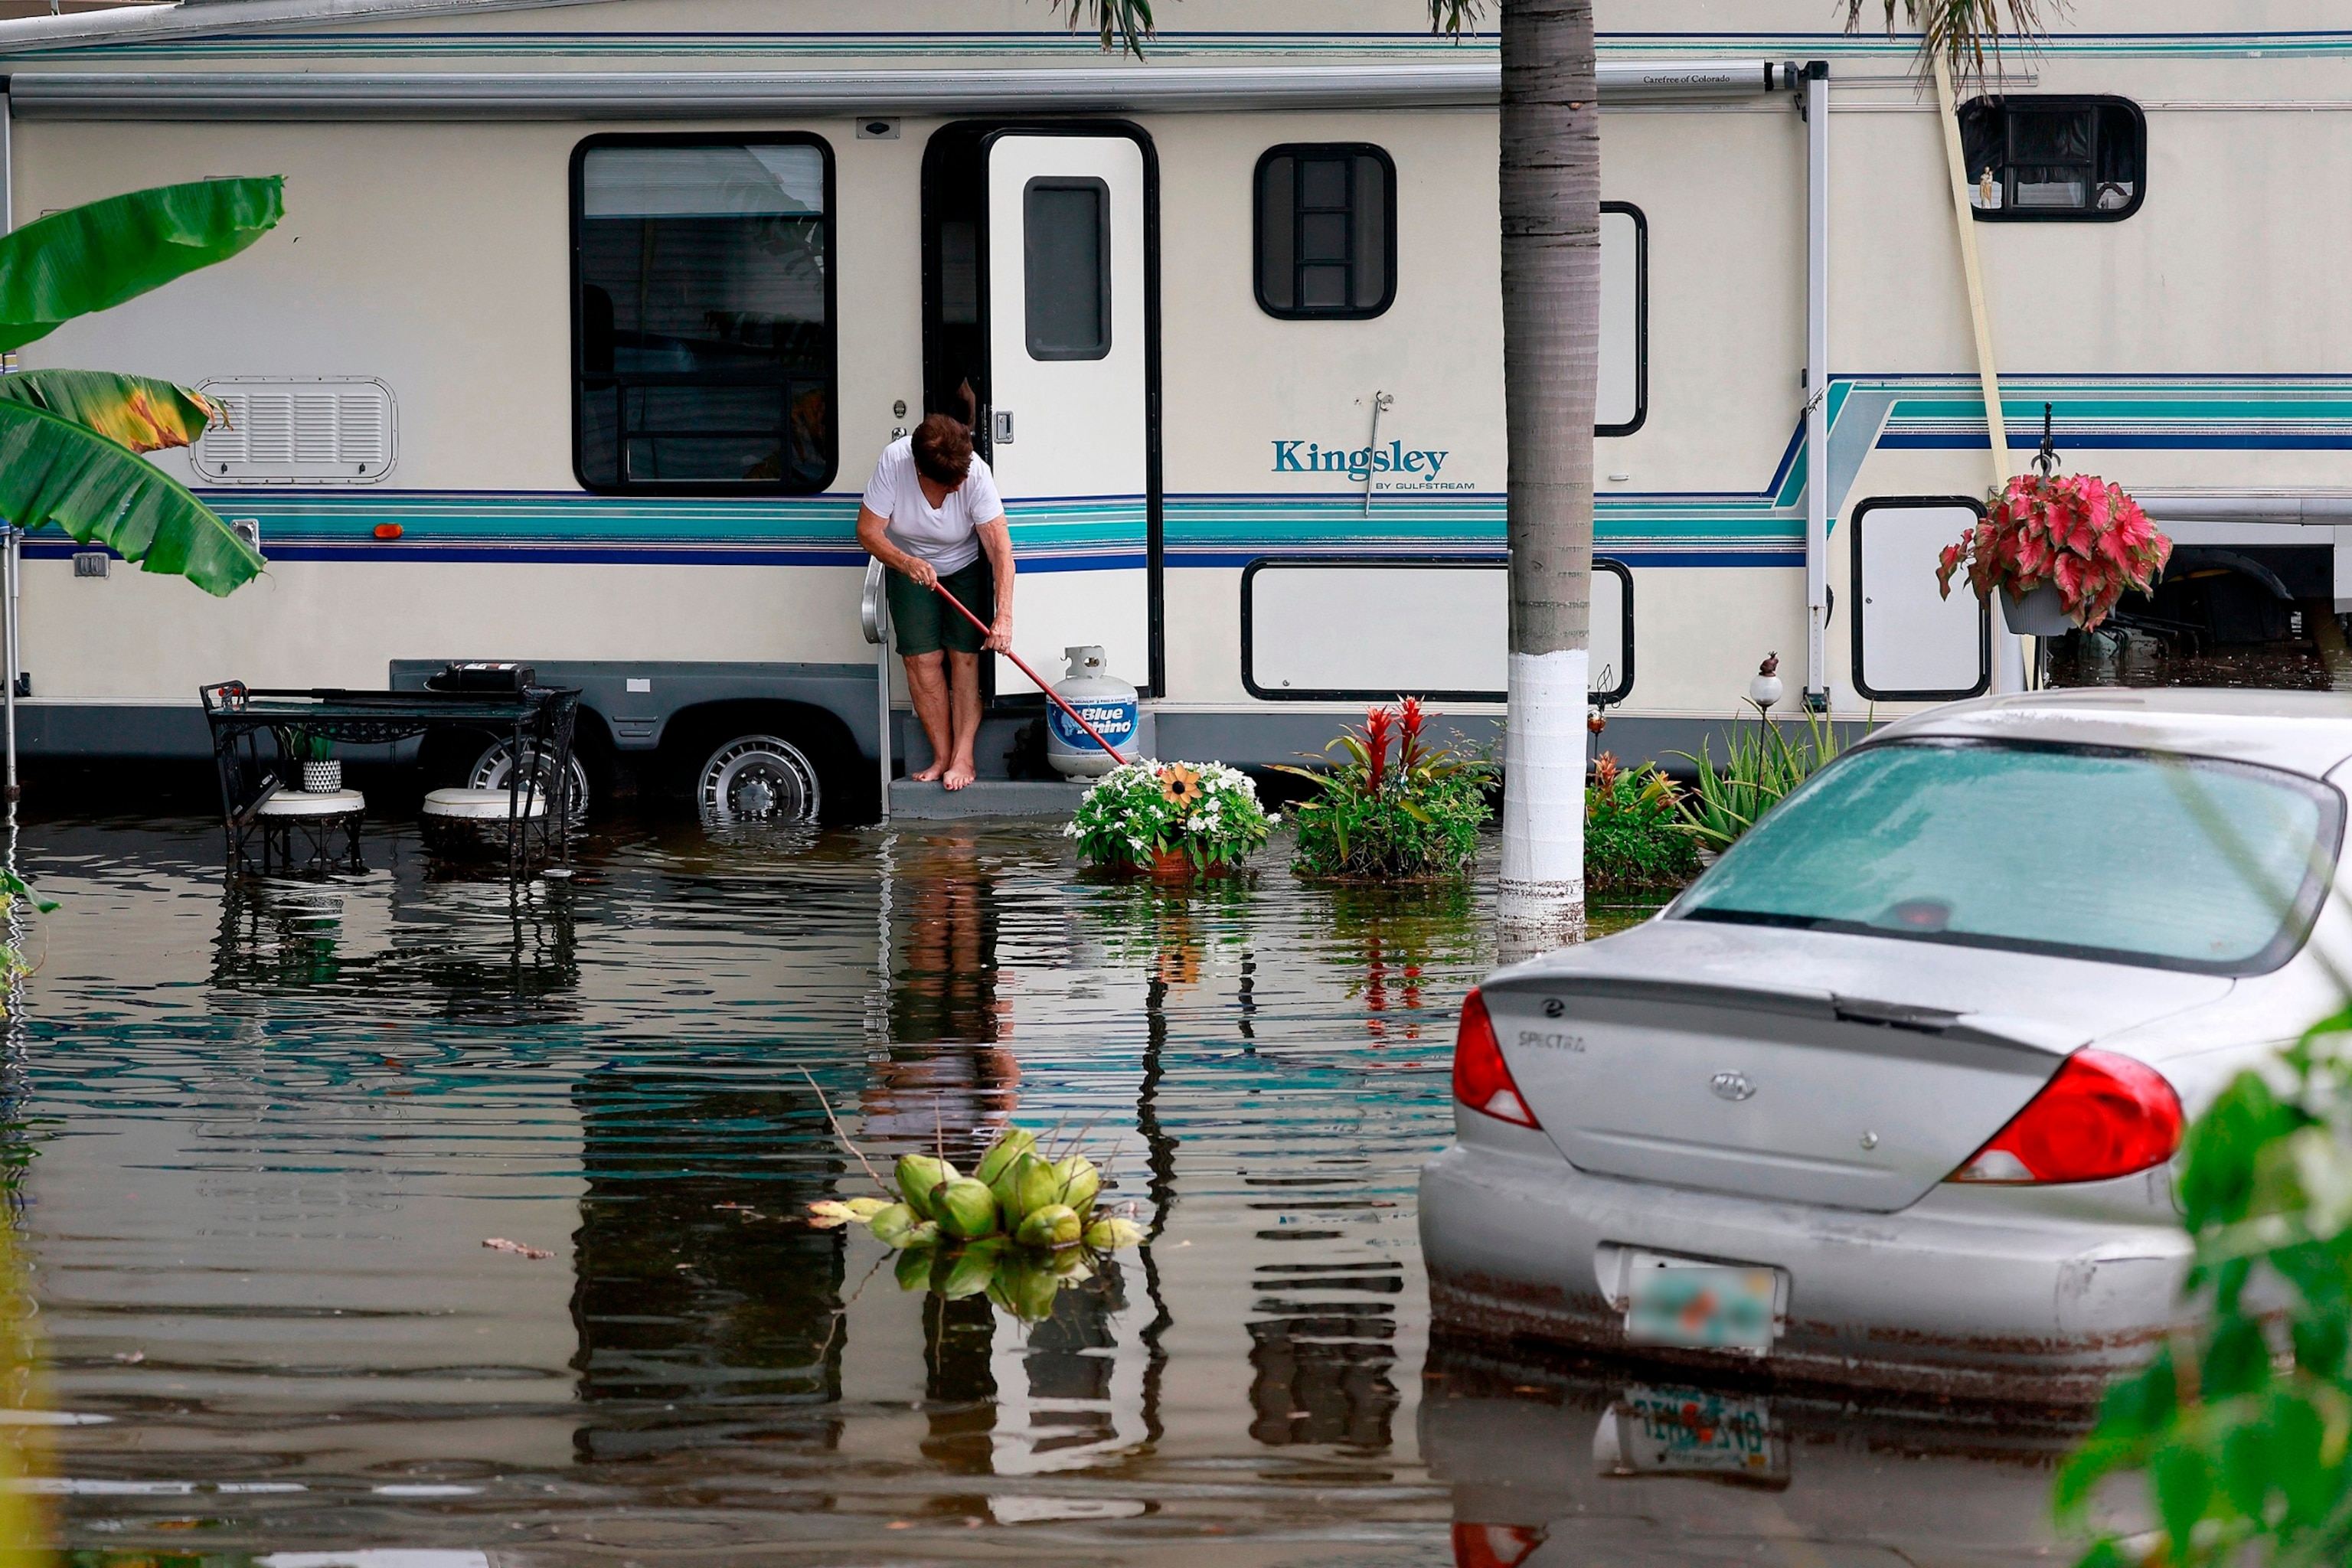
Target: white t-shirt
{"points": [[942, 537]]}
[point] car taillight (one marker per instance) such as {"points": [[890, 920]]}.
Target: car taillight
{"points": [[1481, 1080], [2099, 1116]]}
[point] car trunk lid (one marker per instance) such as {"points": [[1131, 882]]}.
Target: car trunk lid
{"points": [[1814, 1068]]}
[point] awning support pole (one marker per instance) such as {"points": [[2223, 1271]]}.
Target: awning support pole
{"points": [[1817, 384], [2008, 653]]}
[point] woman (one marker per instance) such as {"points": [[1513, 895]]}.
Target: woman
{"points": [[932, 515]]}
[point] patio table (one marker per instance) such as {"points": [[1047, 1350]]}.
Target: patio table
{"points": [[253, 744]]}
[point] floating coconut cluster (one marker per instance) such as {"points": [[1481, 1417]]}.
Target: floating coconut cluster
{"points": [[1020, 1226]]}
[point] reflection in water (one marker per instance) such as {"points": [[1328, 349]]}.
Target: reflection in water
{"points": [[944, 1079], [1398, 935], [487, 950], [1007, 1398], [706, 1311], [1553, 1464], [267, 1139], [1321, 1370]]}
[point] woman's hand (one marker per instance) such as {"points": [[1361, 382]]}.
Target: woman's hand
{"points": [[1000, 635], [919, 572]]}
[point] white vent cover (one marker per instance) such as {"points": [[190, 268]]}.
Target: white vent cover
{"points": [[300, 430]]}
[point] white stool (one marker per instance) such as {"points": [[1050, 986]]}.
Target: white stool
{"points": [[293, 817], [467, 823]]}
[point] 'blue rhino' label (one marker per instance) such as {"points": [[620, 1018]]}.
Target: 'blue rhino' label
{"points": [[1113, 718]]}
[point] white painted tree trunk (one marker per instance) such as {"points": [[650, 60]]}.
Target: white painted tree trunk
{"points": [[1550, 201]]}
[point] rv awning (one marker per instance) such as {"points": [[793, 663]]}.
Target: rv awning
{"points": [[665, 95]]}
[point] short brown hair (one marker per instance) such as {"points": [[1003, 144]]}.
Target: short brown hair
{"points": [[943, 449]]}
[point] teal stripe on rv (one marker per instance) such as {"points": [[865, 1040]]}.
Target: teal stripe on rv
{"points": [[1201, 529], [1082, 526]]}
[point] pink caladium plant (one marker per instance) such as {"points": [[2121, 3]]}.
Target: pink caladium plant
{"points": [[2079, 532]]}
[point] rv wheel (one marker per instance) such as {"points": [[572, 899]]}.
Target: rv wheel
{"points": [[758, 778], [492, 768]]}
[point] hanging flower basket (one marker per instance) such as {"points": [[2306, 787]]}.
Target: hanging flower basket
{"points": [[1170, 819], [2077, 535]]}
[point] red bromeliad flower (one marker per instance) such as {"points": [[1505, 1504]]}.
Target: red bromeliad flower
{"points": [[1377, 722], [1410, 720], [2081, 532]]}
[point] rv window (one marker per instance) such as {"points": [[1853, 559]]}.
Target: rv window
{"points": [[1326, 226], [703, 336], [2070, 158], [1066, 268]]}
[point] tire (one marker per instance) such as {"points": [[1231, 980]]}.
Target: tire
{"points": [[758, 778], [491, 771]]}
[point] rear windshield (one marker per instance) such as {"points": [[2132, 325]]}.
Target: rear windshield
{"points": [[2129, 856]]}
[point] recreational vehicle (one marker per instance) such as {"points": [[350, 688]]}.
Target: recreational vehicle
{"points": [[587, 321]]}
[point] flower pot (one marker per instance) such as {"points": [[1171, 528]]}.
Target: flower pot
{"points": [[2039, 614], [322, 778]]}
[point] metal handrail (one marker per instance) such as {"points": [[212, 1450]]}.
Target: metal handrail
{"points": [[874, 606]]}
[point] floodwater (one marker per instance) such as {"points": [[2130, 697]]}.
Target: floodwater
{"points": [[264, 1132]]}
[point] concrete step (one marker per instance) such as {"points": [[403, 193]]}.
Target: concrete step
{"points": [[984, 797]]}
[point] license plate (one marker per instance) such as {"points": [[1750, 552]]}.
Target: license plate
{"points": [[1701, 1306], [1691, 1431]]}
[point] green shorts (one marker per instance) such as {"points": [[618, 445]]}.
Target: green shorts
{"points": [[920, 623]]}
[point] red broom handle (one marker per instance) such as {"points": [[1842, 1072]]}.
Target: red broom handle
{"points": [[1054, 696]]}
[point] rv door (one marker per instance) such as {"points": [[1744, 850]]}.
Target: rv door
{"points": [[1066, 425], [1911, 643]]}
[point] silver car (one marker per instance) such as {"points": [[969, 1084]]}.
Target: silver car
{"points": [[1890, 1096]]}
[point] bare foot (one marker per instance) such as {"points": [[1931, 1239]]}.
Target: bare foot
{"points": [[963, 774], [929, 775]]}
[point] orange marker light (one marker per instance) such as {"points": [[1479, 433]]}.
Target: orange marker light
{"points": [[388, 531]]}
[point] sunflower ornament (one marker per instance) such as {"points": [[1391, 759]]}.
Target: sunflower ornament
{"points": [[1180, 784]]}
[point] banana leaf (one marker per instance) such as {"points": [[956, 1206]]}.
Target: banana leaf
{"points": [[144, 414], [101, 492], [89, 257]]}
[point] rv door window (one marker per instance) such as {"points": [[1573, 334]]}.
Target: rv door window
{"points": [[2072, 158], [1066, 268], [703, 320], [1326, 226]]}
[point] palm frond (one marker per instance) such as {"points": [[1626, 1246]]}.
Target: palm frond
{"points": [[143, 412], [1454, 18], [1964, 33], [1121, 22]]}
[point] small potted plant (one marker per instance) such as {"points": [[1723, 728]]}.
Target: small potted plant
{"points": [[2061, 550], [322, 774], [1373, 816], [1170, 818]]}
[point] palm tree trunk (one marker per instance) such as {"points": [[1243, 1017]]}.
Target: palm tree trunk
{"points": [[1552, 344]]}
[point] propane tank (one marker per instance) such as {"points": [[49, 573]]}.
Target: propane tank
{"points": [[1108, 704]]}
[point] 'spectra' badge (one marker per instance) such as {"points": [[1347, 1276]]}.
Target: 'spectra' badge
{"points": [[1731, 1085]]}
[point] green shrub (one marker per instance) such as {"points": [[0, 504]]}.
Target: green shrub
{"points": [[1417, 815], [1633, 842], [2240, 1423], [1764, 766]]}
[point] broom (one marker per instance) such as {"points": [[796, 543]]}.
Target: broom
{"points": [[1039, 680]]}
